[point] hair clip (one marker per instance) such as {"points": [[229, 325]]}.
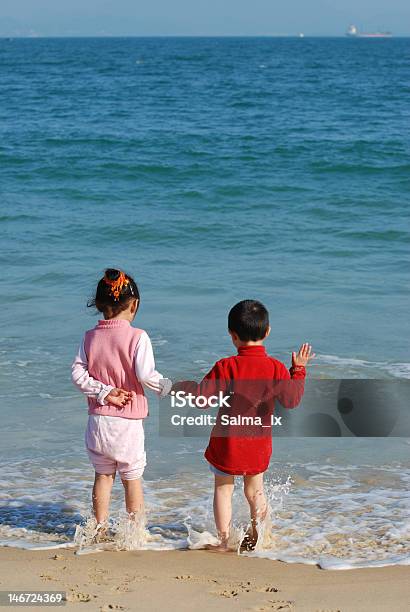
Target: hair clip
{"points": [[117, 285]]}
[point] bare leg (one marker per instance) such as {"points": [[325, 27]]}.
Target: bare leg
{"points": [[255, 494], [223, 491], [134, 496], [101, 496]]}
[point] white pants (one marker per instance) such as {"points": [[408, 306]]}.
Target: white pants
{"points": [[116, 444]]}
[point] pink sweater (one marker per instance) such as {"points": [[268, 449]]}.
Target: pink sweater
{"points": [[110, 349]]}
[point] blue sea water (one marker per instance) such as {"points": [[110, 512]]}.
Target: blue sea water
{"points": [[212, 170]]}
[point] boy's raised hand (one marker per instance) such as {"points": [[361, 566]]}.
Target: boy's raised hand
{"points": [[303, 356], [118, 397]]}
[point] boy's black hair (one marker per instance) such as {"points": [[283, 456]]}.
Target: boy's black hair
{"points": [[109, 304], [249, 319]]}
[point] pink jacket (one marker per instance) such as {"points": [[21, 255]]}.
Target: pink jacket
{"points": [[110, 349]]}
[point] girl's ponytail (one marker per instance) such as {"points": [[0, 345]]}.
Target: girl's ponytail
{"points": [[114, 292]]}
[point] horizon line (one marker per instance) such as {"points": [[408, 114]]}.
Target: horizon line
{"points": [[296, 35]]}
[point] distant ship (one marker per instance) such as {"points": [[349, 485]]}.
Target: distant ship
{"points": [[353, 32]]}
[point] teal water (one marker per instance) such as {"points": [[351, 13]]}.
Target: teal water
{"points": [[212, 170]]}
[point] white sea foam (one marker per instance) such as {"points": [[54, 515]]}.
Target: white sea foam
{"points": [[345, 367], [336, 516]]}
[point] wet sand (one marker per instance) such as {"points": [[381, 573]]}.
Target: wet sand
{"points": [[200, 580]]}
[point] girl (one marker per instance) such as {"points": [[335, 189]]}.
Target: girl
{"points": [[114, 364]]}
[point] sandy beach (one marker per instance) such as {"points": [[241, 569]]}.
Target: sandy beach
{"points": [[187, 580]]}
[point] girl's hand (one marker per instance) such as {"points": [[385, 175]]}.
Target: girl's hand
{"points": [[118, 397], [304, 355]]}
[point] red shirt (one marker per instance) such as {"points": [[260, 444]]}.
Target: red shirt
{"points": [[229, 450]]}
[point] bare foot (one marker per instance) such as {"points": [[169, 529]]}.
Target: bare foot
{"points": [[103, 534], [248, 543]]}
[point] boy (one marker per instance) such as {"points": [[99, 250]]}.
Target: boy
{"points": [[249, 378]]}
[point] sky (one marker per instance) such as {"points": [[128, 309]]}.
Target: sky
{"points": [[200, 17]]}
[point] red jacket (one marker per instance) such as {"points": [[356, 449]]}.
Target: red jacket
{"points": [[253, 376]]}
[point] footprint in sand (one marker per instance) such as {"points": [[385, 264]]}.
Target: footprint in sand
{"points": [[184, 577], [248, 587], [46, 577], [125, 585], [245, 587], [98, 576], [121, 588], [109, 607], [232, 593], [270, 589], [234, 589], [139, 578], [188, 577], [276, 606], [79, 596]]}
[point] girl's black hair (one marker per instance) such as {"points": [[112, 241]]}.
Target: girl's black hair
{"points": [[104, 299]]}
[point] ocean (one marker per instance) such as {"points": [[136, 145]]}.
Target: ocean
{"points": [[212, 170]]}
